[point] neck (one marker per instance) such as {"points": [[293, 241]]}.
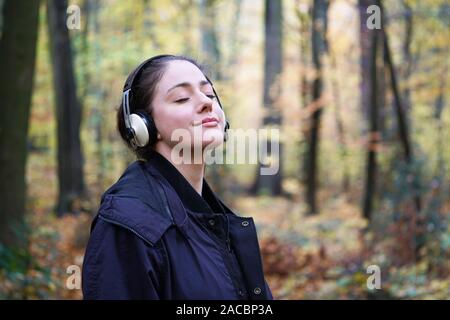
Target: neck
{"points": [[192, 172]]}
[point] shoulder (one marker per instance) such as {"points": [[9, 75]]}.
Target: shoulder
{"points": [[135, 182], [133, 215], [134, 205]]}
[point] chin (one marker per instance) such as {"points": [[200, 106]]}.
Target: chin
{"points": [[212, 139]]}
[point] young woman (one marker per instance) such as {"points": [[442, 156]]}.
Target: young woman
{"points": [[161, 232]]}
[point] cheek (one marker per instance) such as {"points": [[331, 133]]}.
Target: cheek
{"points": [[221, 115], [170, 119]]}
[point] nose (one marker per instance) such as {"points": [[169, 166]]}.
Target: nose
{"points": [[205, 103]]}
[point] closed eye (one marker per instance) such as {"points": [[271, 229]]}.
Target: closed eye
{"points": [[211, 96], [182, 100]]}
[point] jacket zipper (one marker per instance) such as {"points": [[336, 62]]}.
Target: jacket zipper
{"points": [[228, 233]]}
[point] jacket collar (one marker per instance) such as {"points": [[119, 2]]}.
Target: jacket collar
{"points": [[207, 202]]}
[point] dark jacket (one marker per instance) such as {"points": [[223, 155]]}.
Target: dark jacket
{"points": [[155, 237]]}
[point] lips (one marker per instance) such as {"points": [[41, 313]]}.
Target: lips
{"points": [[209, 120]]}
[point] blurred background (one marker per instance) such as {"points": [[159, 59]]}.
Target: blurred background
{"points": [[359, 90]]}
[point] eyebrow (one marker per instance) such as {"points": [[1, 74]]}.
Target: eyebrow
{"points": [[188, 84]]}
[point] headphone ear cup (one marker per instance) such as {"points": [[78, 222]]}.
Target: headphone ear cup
{"points": [[150, 125], [139, 126]]}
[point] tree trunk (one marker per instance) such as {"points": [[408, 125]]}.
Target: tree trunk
{"points": [[273, 56], [97, 112], [304, 19], [407, 58], [370, 47], [366, 48], [17, 61], [439, 107], [84, 50], [399, 107], [340, 124], [234, 38], [319, 48], [402, 121], [403, 129], [68, 111], [210, 42]]}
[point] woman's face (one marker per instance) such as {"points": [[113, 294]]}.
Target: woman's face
{"points": [[183, 99]]}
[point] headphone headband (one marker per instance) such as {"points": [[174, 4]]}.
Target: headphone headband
{"points": [[137, 72]]}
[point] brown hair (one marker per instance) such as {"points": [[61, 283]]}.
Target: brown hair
{"points": [[143, 92]]}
